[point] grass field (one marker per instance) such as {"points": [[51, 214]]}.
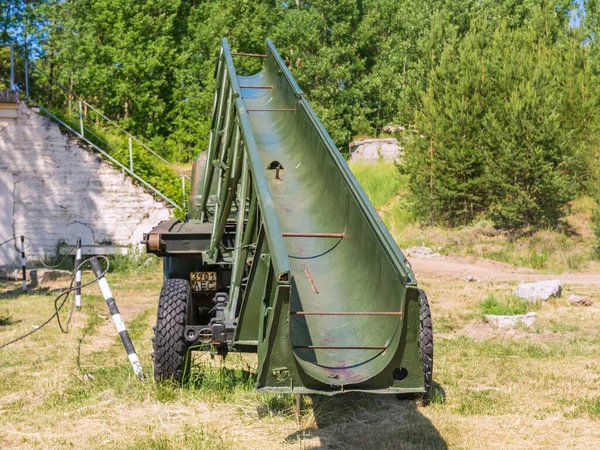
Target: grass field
{"points": [[523, 389]]}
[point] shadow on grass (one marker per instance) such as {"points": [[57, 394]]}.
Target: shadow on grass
{"points": [[370, 422], [6, 319], [31, 290]]}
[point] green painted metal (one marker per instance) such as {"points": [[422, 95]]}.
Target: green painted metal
{"points": [[273, 170]]}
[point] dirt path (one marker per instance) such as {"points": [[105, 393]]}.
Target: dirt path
{"points": [[486, 270]]}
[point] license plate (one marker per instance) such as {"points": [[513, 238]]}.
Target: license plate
{"points": [[203, 281]]}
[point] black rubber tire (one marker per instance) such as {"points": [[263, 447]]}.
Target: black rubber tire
{"points": [[426, 343], [170, 347]]}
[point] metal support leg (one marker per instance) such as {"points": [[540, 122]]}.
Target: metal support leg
{"points": [[222, 89], [130, 154], [26, 79], [298, 406], [81, 119], [78, 275], [12, 68], [117, 320], [23, 262]]}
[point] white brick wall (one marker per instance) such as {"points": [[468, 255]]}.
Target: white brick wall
{"points": [[62, 191]]}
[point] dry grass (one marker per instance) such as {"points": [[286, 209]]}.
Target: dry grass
{"points": [[526, 389]]}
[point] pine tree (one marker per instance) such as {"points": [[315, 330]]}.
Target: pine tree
{"points": [[505, 121], [444, 161]]}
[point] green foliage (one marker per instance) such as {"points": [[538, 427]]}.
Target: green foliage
{"points": [[509, 306], [135, 260], [193, 438], [596, 228], [502, 94], [5, 318], [497, 127]]}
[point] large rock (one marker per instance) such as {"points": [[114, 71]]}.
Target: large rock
{"points": [[375, 149], [43, 276], [422, 252], [580, 300], [393, 128], [512, 321], [542, 290], [13, 274], [35, 276]]}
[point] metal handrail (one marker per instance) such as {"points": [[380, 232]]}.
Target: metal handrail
{"points": [[84, 102], [106, 155], [82, 131], [273, 233]]}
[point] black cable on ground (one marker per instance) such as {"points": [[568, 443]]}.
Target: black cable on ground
{"points": [[58, 307]]}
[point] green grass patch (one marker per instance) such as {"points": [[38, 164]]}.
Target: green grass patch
{"points": [[590, 406], [221, 381], [507, 307], [135, 261], [560, 326], [5, 318], [576, 408], [484, 403], [192, 438], [380, 181]]}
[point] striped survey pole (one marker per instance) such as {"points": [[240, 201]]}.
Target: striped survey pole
{"points": [[117, 319], [78, 275], [23, 264]]}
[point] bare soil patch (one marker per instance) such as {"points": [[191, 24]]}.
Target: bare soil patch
{"points": [[486, 270]]}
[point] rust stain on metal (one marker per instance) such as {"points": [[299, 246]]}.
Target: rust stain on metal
{"points": [[345, 313], [315, 235], [340, 347], [310, 278], [256, 87], [270, 109], [252, 55]]}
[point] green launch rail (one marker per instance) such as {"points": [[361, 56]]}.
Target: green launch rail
{"points": [[282, 254]]}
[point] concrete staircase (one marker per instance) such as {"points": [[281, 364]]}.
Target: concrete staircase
{"points": [[52, 190], [9, 101]]}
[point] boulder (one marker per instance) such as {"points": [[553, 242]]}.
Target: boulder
{"points": [[13, 274], [35, 276], [542, 290], [46, 275], [580, 300], [422, 252], [511, 321], [393, 128], [375, 149]]}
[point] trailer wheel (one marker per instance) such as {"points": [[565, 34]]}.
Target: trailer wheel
{"points": [[426, 343], [170, 348]]}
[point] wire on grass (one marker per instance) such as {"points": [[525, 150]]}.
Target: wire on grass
{"points": [[58, 307]]}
